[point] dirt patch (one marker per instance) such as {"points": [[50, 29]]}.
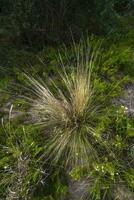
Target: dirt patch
{"points": [[127, 100]]}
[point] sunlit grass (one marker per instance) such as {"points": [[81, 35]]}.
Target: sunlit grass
{"points": [[68, 116]]}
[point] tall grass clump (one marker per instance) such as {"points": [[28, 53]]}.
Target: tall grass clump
{"points": [[68, 112]]}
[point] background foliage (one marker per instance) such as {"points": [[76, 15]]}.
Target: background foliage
{"points": [[43, 22]]}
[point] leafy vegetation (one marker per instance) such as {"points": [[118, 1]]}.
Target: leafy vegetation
{"points": [[49, 22]]}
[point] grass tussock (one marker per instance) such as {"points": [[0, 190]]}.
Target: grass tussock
{"points": [[68, 115]]}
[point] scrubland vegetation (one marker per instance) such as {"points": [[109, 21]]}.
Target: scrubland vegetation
{"points": [[66, 100]]}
